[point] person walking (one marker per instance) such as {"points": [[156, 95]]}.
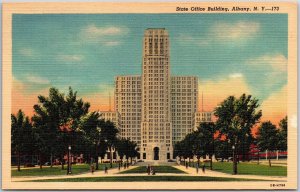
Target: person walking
{"points": [[197, 168], [119, 166], [105, 169], [92, 168], [153, 171], [203, 168], [148, 169]]}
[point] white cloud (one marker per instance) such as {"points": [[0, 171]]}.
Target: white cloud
{"points": [[234, 31], [36, 79], [27, 52], [274, 108], [277, 62], [236, 75], [103, 31], [107, 36], [215, 91], [112, 43], [72, 58], [223, 33]]}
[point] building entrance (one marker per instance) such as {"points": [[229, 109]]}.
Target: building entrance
{"points": [[156, 153]]}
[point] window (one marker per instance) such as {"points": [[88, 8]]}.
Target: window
{"points": [[144, 155]]}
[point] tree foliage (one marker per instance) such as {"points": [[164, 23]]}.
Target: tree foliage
{"points": [[236, 117], [282, 134], [268, 137], [109, 134], [56, 119], [22, 136]]}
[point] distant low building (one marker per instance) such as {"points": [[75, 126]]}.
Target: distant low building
{"points": [[112, 116], [201, 117]]}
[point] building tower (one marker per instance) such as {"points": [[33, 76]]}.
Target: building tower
{"points": [[156, 125]]}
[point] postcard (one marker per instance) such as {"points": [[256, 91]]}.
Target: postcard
{"points": [[149, 96]]}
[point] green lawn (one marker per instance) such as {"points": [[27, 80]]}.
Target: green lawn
{"points": [[250, 169], [144, 178], [158, 169], [56, 170]]}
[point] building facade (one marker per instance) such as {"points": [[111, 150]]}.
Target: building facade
{"points": [[156, 109], [113, 116], [200, 117], [128, 102]]}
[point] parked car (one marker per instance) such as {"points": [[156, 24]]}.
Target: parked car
{"points": [[29, 165]]}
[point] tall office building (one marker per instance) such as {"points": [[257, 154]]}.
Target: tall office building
{"points": [[156, 109], [156, 96]]}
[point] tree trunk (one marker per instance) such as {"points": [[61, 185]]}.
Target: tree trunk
{"points": [[258, 158], [19, 161], [270, 161], [211, 162], [41, 164], [51, 160], [97, 163], [96, 157], [110, 153], [62, 164]]}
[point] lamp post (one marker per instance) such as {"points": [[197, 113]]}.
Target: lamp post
{"points": [[234, 161], [69, 163]]}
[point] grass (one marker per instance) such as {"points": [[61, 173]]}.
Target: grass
{"points": [[55, 170], [158, 169], [251, 169], [144, 179]]}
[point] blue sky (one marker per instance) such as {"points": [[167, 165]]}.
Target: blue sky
{"points": [[86, 51]]}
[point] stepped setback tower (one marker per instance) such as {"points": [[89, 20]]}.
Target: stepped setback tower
{"points": [[156, 109]]}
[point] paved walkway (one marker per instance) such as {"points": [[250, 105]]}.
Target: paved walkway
{"points": [[210, 173], [99, 173], [115, 172]]}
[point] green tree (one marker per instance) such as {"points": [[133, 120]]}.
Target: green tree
{"points": [[121, 147], [57, 120], [132, 150], [282, 134], [206, 134], [108, 132], [235, 118], [22, 137], [267, 138], [189, 146], [222, 149], [91, 134], [178, 150]]}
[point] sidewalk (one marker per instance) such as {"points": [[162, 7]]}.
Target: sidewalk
{"points": [[191, 171], [99, 173], [210, 173]]}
